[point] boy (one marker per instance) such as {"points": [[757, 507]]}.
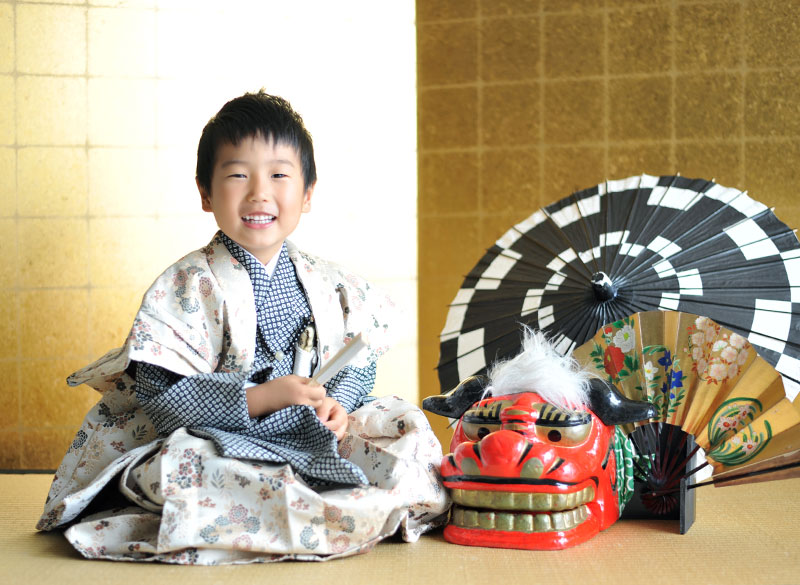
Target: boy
{"points": [[209, 367]]}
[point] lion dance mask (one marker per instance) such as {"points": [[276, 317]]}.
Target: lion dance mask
{"points": [[539, 464]]}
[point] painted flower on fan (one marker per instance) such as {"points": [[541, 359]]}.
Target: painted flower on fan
{"points": [[729, 354], [613, 360], [710, 328], [698, 339], [676, 379], [727, 423], [702, 322], [733, 370], [737, 341], [666, 359], [697, 352], [700, 366], [625, 338], [718, 371], [650, 371], [742, 357], [719, 345], [749, 444]]}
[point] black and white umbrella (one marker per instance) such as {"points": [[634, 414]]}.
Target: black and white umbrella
{"points": [[637, 244]]}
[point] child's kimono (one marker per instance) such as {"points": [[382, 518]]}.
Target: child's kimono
{"points": [[182, 474]]}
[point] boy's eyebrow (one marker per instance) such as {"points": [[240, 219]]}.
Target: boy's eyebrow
{"points": [[236, 161]]}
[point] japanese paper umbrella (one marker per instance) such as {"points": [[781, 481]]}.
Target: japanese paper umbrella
{"points": [[621, 247]]}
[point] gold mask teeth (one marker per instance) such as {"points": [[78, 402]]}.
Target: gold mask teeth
{"points": [[518, 521], [522, 501]]}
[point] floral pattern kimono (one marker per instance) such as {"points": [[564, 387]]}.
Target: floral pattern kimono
{"points": [[127, 494]]}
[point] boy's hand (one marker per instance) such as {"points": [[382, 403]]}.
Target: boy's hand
{"points": [[281, 392], [334, 416]]}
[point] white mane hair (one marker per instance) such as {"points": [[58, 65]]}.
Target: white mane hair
{"points": [[540, 368]]}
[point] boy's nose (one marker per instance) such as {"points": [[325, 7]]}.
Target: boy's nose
{"points": [[260, 188]]}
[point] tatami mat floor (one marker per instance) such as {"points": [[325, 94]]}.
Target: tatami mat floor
{"points": [[743, 534]]}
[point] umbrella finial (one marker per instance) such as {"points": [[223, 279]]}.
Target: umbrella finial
{"points": [[604, 289]]}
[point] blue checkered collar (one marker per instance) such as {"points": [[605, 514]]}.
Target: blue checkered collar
{"points": [[259, 277]]}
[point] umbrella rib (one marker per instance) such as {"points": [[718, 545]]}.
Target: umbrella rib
{"points": [[770, 261], [651, 217], [585, 229], [521, 319], [566, 240], [579, 284], [586, 328], [524, 261], [706, 289], [496, 301], [552, 253], [714, 238], [626, 228], [512, 314], [628, 223], [697, 197], [720, 254], [606, 202]]}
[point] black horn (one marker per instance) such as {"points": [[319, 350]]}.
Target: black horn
{"points": [[613, 408], [456, 402]]}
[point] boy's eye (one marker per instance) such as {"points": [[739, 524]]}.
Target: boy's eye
{"points": [[237, 176], [279, 176]]}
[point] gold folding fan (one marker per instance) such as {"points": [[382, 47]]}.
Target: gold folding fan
{"points": [[711, 384]]}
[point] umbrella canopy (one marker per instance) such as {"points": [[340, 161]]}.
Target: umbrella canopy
{"points": [[637, 244]]}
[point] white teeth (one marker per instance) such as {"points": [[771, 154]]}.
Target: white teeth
{"points": [[259, 218]]}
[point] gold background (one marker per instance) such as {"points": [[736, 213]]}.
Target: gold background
{"points": [[521, 102], [101, 106]]}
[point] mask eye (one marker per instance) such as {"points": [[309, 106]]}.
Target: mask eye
{"points": [[563, 428], [479, 421]]}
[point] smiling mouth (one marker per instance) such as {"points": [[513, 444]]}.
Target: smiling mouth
{"points": [[258, 219]]}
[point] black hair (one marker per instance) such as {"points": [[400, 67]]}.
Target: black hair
{"points": [[255, 114]]}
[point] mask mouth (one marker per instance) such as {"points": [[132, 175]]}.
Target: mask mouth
{"points": [[527, 512]]}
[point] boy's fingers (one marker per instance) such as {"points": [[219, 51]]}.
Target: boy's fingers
{"points": [[318, 394], [323, 411]]}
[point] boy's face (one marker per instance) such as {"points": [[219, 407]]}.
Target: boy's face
{"points": [[257, 194]]}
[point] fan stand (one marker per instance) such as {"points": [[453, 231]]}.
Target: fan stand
{"points": [[667, 448]]}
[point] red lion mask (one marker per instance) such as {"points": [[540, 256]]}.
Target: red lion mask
{"points": [[526, 474]]}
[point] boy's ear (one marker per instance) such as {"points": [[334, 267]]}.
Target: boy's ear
{"points": [[205, 197], [307, 198]]}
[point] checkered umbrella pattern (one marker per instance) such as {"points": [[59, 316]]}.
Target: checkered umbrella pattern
{"points": [[636, 244]]}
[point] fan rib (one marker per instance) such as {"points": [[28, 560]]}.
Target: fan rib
{"points": [[737, 478]]}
